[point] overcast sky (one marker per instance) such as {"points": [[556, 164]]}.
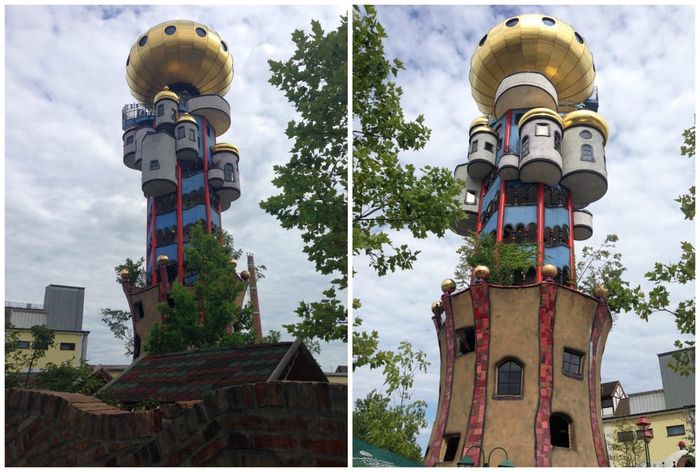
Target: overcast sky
{"points": [[644, 57], [74, 211]]}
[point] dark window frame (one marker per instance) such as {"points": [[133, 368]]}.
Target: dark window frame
{"points": [[556, 435], [181, 132], [154, 165], [466, 340], [587, 154], [67, 347], [451, 447], [23, 345], [668, 430], [506, 383], [567, 367], [161, 109]]}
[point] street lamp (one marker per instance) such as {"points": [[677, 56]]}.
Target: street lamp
{"points": [[646, 434], [467, 461]]}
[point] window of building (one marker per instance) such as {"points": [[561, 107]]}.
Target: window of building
{"points": [[573, 363], [192, 137], [201, 32], [466, 340], [541, 129], [524, 146], [548, 21], [625, 436], [470, 199], [559, 429], [228, 172], [510, 378], [138, 306], [129, 139], [67, 347], [557, 141], [449, 445], [154, 165], [161, 110], [181, 132], [587, 153], [22, 344], [475, 145], [585, 134], [137, 346], [170, 30], [512, 22], [678, 430], [488, 147], [143, 40]]}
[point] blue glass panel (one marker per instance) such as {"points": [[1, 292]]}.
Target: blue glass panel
{"points": [[194, 182], [166, 220], [491, 192], [556, 217], [525, 214], [169, 250], [215, 219], [491, 224], [193, 214], [557, 255]]}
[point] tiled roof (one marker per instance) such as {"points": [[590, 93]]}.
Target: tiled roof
{"points": [[191, 375]]}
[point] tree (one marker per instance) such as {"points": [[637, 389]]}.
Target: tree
{"points": [[665, 276], [394, 425], [67, 378], [137, 274], [504, 260], [198, 317], [42, 341], [313, 183], [15, 359], [388, 194], [627, 448], [119, 322]]}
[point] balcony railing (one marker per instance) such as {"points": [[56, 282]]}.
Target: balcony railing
{"points": [[134, 113]]}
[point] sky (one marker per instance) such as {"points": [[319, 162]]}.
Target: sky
{"points": [[74, 211], [644, 57]]}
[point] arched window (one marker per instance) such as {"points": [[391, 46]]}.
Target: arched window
{"points": [[510, 378], [520, 234], [228, 172], [508, 233], [530, 276], [587, 153], [521, 196], [532, 233], [548, 197], [560, 430], [510, 195], [556, 235], [547, 236], [532, 194], [565, 276]]}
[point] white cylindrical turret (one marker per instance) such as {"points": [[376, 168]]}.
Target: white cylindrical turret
{"points": [[165, 105], [540, 146], [468, 200], [130, 147], [225, 157], [186, 137], [141, 133], [483, 142], [583, 225], [158, 169], [525, 90]]}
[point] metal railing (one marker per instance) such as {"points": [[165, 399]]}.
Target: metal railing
{"points": [[30, 306], [133, 113]]}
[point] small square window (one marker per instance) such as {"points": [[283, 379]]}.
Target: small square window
{"points": [[488, 147], [573, 363], [541, 129], [139, 309], [449, 444], [22, 344], [467, 340], [67, 347], [154, 165], [192, 138], [677, 430], [625, 436], [475, 145], [161, 110], [130, 139], [470, 198], [181, 132]]}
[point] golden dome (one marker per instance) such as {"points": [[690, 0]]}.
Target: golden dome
{"points": [[481, 272], [225, 147], [481, 129], [124, 273], [245, 275], [600, 291], [166, 93], [480, 121], [532, 43], [187, 117], [541, 112], [589, 118], [549, 270], [448, 285], [436, 308], [234, 261], [178, 52]]}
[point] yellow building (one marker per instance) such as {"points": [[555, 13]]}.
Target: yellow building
{"points": [[340, 376], [68, 346]]}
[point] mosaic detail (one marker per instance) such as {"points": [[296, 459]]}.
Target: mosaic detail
{"points": [[477, 414], [596, 332], [543, 441]]}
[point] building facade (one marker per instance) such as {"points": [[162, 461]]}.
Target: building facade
{"points": [[520, 365]]}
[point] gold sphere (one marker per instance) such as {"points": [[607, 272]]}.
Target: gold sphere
{"points": [[162, 259], [436, 308], [481, 272], [225, 147], [600, 291], [178, 52], [245, 275], [124, 273], [549, 270], [448, 285], [234, 261]]}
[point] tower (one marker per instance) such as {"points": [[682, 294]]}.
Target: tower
{"points": [[520, 365], [178, 71]]}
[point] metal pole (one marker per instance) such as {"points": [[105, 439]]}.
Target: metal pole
{"points": [[646, 451]]}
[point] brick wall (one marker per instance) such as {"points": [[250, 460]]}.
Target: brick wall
{"points": [[265, 424]]}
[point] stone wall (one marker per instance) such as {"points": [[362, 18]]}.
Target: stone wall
{"points": [[265, 424]]}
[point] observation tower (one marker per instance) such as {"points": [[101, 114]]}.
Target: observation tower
{"points": [[520, 364], [178, 71]]}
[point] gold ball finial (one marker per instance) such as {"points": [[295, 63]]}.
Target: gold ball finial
{"points": [[162, 259], [234, 261], [481, 272], [245, 275], [600, 291], [436, 308], [549, 270], [124, 273], [448, 285]]}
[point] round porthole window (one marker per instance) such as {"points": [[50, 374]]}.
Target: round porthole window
{"points": [[200, 32], [483, 40], [512, 22], [579, 38], [223, 45], [143, 40], [170, 30], [585, 134], [548, 21]]}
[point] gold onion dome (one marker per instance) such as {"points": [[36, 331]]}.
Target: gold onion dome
{"points": [[589, 118], [165, 93], [178, 52], [187, 117], [532, 43], [225, 147], [480, 121], [482, 129], [541, 113]]}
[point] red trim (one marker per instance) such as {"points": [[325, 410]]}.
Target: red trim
{"points": [[444, 405], [543, 442], [540, 230], [207, 203], [506, 138], [474, 435], [482, 192], [180, 237], [501, 211], [154, 277], [593, 389], [572, 255]]}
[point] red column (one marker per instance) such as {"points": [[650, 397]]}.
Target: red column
{"points": [[207, 203], [543, 443], [540, 230], [572, 256], [152, 236], [180, 237], [502, 191], [482, 192]]}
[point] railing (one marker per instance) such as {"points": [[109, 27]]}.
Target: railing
{"points": [[133, 113], [30, 306]]}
